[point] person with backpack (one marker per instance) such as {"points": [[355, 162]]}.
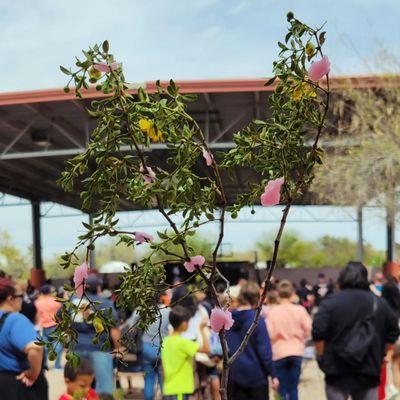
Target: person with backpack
{"points": [[352, 331]]}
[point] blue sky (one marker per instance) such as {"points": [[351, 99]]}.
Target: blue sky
{"points": [[186, 39]]}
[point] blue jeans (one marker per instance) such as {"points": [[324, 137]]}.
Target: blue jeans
{"points": [[152, 369], [103, 366], [288, 371], [58, 347]]}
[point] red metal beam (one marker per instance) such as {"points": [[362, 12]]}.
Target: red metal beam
{"points": [[197, 86]]}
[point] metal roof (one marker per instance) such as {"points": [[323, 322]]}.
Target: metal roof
{"points": [[29, 171]]}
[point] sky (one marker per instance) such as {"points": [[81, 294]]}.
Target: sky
{"points": [[187, 39]]}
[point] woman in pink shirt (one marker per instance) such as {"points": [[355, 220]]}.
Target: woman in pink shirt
{"points": [[289, 325], [47, 307]]}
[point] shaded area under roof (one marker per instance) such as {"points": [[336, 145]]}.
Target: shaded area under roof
{"points": [[29, 171]]}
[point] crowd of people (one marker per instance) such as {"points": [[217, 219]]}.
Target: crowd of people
{"points": [[351, 327]]}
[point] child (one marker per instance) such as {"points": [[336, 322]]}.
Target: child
{"points": [[78, 382], [248, 378], [177, 356], [289, 326]]}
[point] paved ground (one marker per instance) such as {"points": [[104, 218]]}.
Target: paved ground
{"points": [[311, 385]]}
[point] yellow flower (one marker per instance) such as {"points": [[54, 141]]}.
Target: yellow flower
{"points": [[310, 49], [298, 93], [151, 129], [303, 90], [145, 124], [98, 325], [94, 74]]}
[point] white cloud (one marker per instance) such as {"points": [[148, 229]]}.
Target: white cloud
{"points": [[239, 8], [180, 39]]}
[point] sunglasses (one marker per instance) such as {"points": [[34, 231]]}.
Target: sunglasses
{"points": [[16, 296]]}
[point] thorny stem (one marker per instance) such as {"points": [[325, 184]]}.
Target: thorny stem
{"points": [[228, 361], [267, 280]]}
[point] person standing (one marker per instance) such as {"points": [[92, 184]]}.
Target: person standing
{"points": [[289, 326], [152, 337], [102, 361], [47, 307], [352, 332], [178, 355], [21, 376], [322, 288], [248, 377]]}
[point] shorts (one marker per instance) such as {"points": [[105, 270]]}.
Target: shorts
{"points": [[212, 372]]}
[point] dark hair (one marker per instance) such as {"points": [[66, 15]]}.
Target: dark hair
{"points": [[7, 289], [285, 289], [84, 368], [29, 310], [354, 276], [249, 294], [178, 315], [92, 283], [3, 274], [46, 289], [182, 295], [303, 282]]}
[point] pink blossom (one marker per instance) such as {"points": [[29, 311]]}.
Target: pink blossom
{"points": [[221, 319], [80, 274], [194, 261], [272, 194], [319, 69], [149, 176], [103, 67], [207, 156], [143, 237]]}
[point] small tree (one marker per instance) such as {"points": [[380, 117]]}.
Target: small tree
{"points": [[12, 260], [276, 148], [326, 251], [364, 163]]}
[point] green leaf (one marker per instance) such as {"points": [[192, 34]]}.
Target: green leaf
{"points": [[65, 70], [162, 235], [322, 38], [270, 81], [87, 226], [282, 46]]}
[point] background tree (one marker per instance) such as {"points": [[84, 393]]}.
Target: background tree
{"points": [[363, 163], [326, 251], [12, 260]]}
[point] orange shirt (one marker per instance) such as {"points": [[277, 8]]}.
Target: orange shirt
{"points": [[289, 326], [47, 308]]}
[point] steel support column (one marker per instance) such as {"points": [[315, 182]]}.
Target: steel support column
{"points": [[360, 239], [391, 238], [37, 272], [36, 235]]}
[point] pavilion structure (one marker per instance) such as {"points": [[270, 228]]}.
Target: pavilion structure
{"points": [[40, 130]]}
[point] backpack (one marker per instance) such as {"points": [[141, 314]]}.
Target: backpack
{"points": [[358, 340]]}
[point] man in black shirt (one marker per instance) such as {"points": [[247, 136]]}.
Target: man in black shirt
{"points": [[336, 318]]}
